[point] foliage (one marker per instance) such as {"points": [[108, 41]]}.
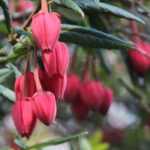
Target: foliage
{"points": [[90, 27]]}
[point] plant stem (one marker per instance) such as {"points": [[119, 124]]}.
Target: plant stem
{"points": [[58, 141]]}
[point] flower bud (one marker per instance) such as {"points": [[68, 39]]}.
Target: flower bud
{"points": [[46, 29], [57, 61], [23, 116], [44, 105]]}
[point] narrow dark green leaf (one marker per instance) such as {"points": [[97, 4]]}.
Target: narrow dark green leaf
{"points": [[95, 5], [69, 14], [120, 12], [133, 91], [15, 70], [4, 71], [72, 5], [59, 140], [6, 14], [4, 77], [7, 93], [90, 37], [103, 61]]}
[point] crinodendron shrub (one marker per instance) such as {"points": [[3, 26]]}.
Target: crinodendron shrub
{"points": [[74, 72]]}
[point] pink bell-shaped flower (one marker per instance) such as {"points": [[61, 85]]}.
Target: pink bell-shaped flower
{"points": [[55, 84], [96, 96], [23, 116], [139, 62], [58, 85], [107, 101], [22, 110], [46, 29], [72, 89], [44, 105], [25, 84], [91, 93], [57, 61]]}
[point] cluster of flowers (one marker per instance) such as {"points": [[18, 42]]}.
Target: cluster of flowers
{"points": [[37, 91], [138, 60], [86, 96]]}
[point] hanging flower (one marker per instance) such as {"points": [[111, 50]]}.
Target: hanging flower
{"points": [[44, 105], [44, 102], [22, 110], [72, 89], [57, 61], [139, 62], [46, 28], [55, 84], [23, 116]]}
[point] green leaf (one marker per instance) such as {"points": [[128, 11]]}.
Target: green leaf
{"points": [[95, 5], [103, 61], [97, 142], [7, 93], [6, 14], [69, 9], [72, 5], [58, 141], [69, 14], [4, 78], [3, 28], [90, 37], [20, 143], [20, 49], [4, 71], [15, 70], [84, 144], [119, 12]]}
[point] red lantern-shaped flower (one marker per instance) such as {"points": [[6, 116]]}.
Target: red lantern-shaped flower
{"points": [[44, 105], [140, 63], [57, 61], [95, 95], [46, 29], [55, 84], [22, 110], [107, 101], [72, 90], [58, 86], [91, 93], [25, 85], [23, 116]]}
